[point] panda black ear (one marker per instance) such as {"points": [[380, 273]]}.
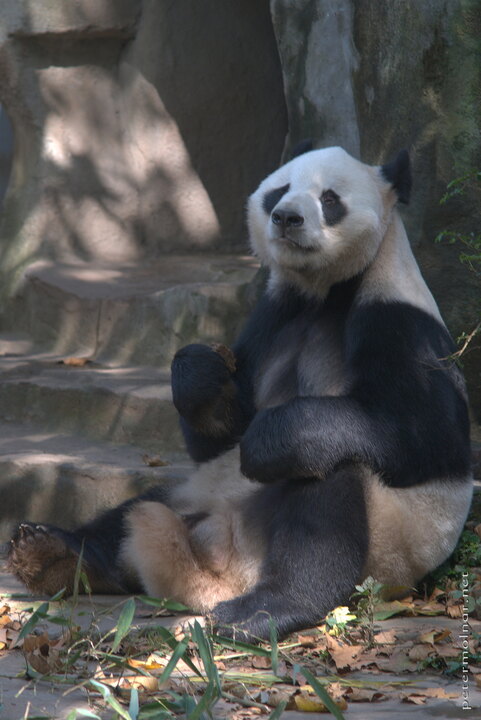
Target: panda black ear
{"points": [[301, 148], [398, 173]]}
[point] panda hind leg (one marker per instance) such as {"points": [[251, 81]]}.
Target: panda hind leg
{"points": [[159, 547], [317, 542]]}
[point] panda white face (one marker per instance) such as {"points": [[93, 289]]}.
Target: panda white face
{"points": [[323, 213]]}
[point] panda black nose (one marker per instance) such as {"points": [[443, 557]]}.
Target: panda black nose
{"points": [[287, 218]]}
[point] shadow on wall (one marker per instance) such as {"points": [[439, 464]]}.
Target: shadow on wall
{"points": [[6, 152], [129, 146], [221, 80]]}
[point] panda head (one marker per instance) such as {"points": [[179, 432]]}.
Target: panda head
{"points": [[323, 215]]}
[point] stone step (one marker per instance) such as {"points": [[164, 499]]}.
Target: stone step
{"points": [[125, 405], [134, 314], [67, 480]]}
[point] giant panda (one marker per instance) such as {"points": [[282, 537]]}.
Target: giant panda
{"points": [[333, 445]]}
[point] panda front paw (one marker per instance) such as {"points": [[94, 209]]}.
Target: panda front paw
{"points": [[262, 457], [200, 376]]}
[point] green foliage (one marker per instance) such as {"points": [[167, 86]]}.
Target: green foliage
{"points": [[453, 666], [466, 555], [471, 242], [124, 623], [189, 682], [367, 596], [468, 550]]}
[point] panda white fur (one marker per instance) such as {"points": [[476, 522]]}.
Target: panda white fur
{"points": [[337, 449]]}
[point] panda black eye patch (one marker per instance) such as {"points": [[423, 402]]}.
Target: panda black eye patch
{"points": [[332, 207], [272, 197]]}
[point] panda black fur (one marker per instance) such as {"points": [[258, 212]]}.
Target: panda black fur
{"points": [[339, 447]]}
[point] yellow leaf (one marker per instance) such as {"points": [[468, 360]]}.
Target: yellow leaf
{"points": [[305, 703], [146, 664], [341, 614], [75, 361]]}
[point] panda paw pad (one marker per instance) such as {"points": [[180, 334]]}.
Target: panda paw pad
{"points": [[40, 560]]}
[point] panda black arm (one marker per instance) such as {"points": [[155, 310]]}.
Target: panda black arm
{"points": [[215, 405], [404, 414]]}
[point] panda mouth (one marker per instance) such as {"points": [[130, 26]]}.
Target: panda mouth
{"points": [[283, 240]]}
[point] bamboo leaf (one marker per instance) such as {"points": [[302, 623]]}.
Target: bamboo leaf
{"points": [[205, 652], [134, 704], [322, 694], [238, 645], [274, 648], [172, 643], [124, 623], [111, 700], [277, 712], [39, 614], [174, 659], [163, 603], [81, 712], [78, 571]]}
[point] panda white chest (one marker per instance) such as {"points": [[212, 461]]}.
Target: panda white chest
{"points": [[306, 359]]}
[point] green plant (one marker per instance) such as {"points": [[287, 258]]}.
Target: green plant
{"points": [[367, 597], [471, 242]]}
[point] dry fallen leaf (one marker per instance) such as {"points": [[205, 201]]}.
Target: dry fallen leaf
{"points": [[42, 652], [261, 662], [454, 611], [434, 636], [386, 637], [124, 686], [308, 641], [437, 592], [154, 461], [75, 361], [344, 655], [364, 695], [447, 651], [421, 652], [419, 696], [416, 699], [398, 662], [280, 695]]}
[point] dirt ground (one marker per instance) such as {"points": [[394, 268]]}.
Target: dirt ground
{"points": [[399, 675]]}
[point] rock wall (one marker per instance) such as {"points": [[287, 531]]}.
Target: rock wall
{"points": [[376, 77], [140, 126]]}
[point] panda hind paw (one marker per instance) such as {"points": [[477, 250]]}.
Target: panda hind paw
{"points": [[41, 560]]}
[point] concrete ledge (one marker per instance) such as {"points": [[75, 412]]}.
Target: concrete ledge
{"points": [[67, 480]]}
